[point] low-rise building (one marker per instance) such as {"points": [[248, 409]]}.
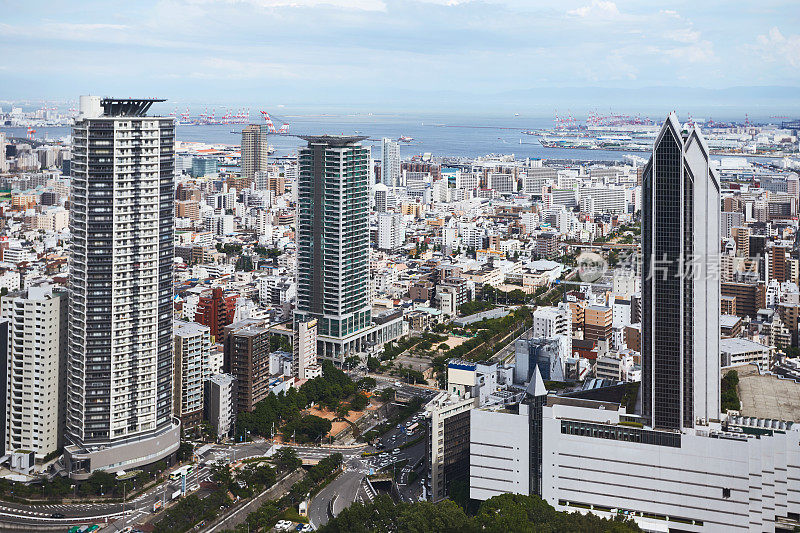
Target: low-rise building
{"points": [[736, 352]]}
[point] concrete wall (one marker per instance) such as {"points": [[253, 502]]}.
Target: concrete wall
{"points": [[499, 459], [729, 485]]}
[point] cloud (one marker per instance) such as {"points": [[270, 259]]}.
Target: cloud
{"points": [[597, 9], [355, 5], [685, 35], [776, 47], [699, 52], [217, 67]]}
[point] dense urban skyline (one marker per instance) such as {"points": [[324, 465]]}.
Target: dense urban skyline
{"points": [[400, 265]]}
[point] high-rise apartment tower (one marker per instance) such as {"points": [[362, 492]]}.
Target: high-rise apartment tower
{"points": [[390, 163], [255, 150], [119, 399], [333, 242]]}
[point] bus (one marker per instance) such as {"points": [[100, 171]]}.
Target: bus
{"points": [[182, 471], [412, 428]]}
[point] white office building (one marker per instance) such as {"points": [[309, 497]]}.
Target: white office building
{"points": [[606, 199], [305, 350], [733, 478], [737, 352], [220, 403], [391, 231], [551, 321]]}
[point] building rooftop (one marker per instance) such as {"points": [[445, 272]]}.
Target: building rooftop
{"points": [[767, 396], [128, 107], [333, 140], [728, 321], [181, 327], [737, 345]]}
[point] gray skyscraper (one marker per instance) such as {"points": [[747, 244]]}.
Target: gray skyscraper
{"points": [[333, 242], [119, 401], [255, 150], [680, 281]]}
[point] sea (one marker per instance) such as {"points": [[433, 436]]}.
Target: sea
{"points": [[439, 135]]}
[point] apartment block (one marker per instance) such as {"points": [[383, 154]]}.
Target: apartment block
{"points": [[35, 369], [192, 351], [247, 359]]}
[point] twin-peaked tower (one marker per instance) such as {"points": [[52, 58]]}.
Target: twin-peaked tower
{"points": [[680, 281]]}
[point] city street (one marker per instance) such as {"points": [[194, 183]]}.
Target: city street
{"points": [[134, 511]]}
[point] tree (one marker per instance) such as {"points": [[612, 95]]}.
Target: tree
{"points": [[729, 393], [359, 402], [387, 394], [286, 459], [508, 512], [308, 428], [244, 264], [373, 364], [185, 451], [427, 517], [366, 383], [279, 343]]}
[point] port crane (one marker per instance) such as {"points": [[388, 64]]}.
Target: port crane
{"points": [[284, 129]]}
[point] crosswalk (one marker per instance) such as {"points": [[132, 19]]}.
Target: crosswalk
{"points": [[25, 512]]}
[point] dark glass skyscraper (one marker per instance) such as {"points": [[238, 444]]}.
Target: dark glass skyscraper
{"points": [[680, 281]]}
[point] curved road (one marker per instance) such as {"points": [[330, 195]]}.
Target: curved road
{"points": [[132, 512]]}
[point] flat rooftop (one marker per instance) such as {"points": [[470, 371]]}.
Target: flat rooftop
{"points": [[333, 140], [738, 345], [767, 396]]}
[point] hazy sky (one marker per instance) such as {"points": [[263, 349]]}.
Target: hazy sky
{"points": [[453, 53]]}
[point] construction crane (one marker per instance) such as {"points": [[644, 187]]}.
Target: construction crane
{"points": [[284, 129]]}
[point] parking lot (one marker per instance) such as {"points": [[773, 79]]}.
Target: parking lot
{"points": [[287, 525]]}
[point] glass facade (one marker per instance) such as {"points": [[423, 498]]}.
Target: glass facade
{"points": [[680, 302], [333, 235], [623, 433]]}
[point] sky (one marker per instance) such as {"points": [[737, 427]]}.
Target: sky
{"points": [[414, 55]]}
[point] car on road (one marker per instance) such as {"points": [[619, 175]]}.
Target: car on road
{"points": [[57, 515]]}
